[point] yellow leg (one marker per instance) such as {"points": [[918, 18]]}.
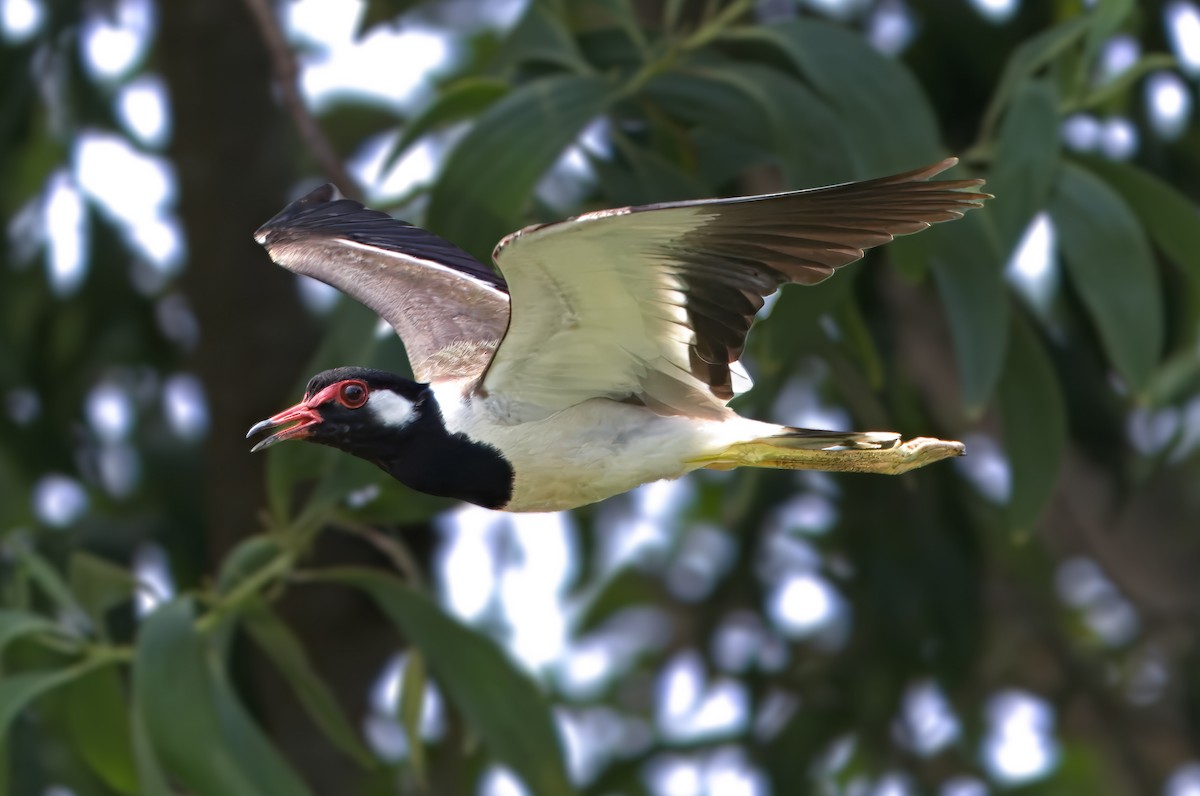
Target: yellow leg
{"points": [[888, 461]]}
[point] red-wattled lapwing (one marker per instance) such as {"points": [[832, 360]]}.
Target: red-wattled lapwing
{"points": [[605, 356]]}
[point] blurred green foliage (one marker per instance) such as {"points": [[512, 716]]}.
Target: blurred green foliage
{"points": [[941, 582]]}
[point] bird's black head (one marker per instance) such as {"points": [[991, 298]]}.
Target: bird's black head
{"points": [[368, 413], [396, 424]]}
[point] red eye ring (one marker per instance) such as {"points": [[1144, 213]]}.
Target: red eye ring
{"points": [[352, 394]]}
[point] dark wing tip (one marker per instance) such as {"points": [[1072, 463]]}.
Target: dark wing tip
{"points": [[324, 214], [925, 172], [932, 170], [968, 187], [291, 215]]}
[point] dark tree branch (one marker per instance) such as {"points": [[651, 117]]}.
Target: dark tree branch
{"points": [[287, 75]]}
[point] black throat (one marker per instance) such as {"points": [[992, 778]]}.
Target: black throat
{"points": [[450, 465]]}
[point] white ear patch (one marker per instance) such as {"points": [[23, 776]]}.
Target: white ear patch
{"points": [[391, 409]]}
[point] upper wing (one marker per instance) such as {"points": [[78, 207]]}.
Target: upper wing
{"points": [[655, 302], [448, 308]]}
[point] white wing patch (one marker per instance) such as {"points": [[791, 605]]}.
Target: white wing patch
{"points": [[424, 262], [742, 383], [391, 409]]}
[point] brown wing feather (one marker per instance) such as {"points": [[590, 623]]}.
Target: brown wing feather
{"points": [[715, 260], [751, 246], [448, 308]]}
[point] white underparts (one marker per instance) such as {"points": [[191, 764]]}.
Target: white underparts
{"points": [[591, 450], [390, 409]]}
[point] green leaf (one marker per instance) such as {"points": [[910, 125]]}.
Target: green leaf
{"points": [[867, 91], [642, 176], [1026, 163], [412, 708], [672, 10], [99, 585], [18, 691], [283, 648], [488, 178], [1112, 268], [911, 255], [460, 100], [197, 731], [499, 702], [1170, 218], [629, 587], [541, 36], [1176, 381], [271, 773], [152, 780], [763, 107], [250, 556], [98, 721], [693, 97], [173, 689], [15, 624], [970, 279], [48, 579], [1035, 424], [795, 319], [856, 337], [801, 129], [625, 18], [1034, 54], [721, 158]]}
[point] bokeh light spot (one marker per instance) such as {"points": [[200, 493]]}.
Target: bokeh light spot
{"points": [[59, 500], [1184, 781], [498, 781], [890, 28], [185, 406], [152, 569], [996, 11], [986, 467], [802, 604], [1168, 104], [142, 109], [927, 723], [1119, 138], [109, 412], [1183, 28], [115, 37], [1033, 268], [66, 235], [1019, 746], [20, 20]]}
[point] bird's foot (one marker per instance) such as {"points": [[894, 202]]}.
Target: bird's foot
{"points": [[921, 451]]}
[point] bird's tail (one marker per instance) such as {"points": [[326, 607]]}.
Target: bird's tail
{"points": [[839, 451]]}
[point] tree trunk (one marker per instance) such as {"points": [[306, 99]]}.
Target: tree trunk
{"points": [[235, 154]]}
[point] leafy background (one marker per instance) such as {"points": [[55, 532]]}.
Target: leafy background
{"points": [[181, 617]]}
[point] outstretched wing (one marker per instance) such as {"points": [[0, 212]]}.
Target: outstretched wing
{"points": [[655, 302], [448, 308]]}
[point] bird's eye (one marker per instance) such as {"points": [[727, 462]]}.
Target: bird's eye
{"points": [[352, 394]]}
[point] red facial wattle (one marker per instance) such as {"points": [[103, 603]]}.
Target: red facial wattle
{"points": [[299, 420]]}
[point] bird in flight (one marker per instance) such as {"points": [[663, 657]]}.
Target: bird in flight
{"points": [[604, 357]]}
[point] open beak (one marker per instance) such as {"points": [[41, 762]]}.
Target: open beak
{"points": [[302, 415]]}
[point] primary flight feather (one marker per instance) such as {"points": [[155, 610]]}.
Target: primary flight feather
{"points": [[605, 356]]}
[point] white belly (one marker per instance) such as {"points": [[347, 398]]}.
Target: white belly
{"points": [[592, 450]]}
